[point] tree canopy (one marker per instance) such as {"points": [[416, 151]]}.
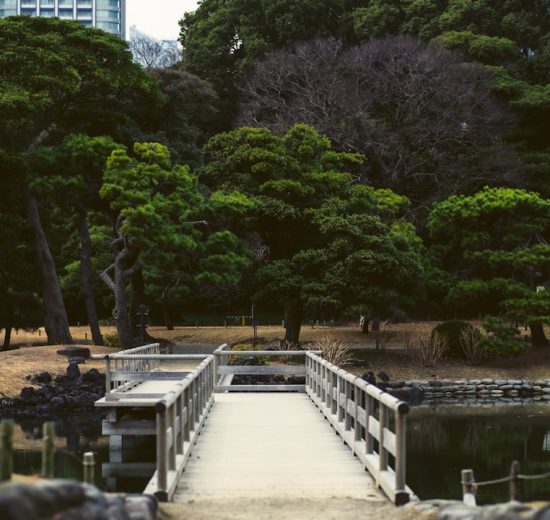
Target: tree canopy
{"points": [[322, 231], [494, 248]]}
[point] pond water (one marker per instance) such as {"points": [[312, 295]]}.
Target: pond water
{"points": [[75, 435], [441, 441]]}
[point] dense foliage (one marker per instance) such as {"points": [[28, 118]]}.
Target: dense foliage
{"points": [[328, 159]]}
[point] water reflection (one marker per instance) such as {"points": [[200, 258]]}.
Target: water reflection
{"points": [[443, 440], [74, 436]]}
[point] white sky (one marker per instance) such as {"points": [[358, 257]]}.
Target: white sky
{"points": [[158, 18]]}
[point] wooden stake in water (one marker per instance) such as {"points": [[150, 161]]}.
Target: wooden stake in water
{"points": [[88, 464], [6, 450], [515, 482], [48, 449]]}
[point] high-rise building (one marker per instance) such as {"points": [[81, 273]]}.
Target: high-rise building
{"points": [[109, 15]]}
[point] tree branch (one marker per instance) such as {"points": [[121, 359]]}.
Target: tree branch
{"points": [[107, 279]]}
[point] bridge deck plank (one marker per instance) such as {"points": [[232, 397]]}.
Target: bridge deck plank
{"points": [[266, 445]]}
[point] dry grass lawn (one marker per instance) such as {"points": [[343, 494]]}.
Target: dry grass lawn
{"points": [[16, 364], [399, 359]]}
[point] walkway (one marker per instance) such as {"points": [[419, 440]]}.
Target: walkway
{"points": [[266, 445]]}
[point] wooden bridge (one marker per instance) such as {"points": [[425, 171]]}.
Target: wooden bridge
{"points": [[222, 440]]}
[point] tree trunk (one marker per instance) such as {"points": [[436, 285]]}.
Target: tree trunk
{"points": [[7, 337], [365, 326], [168, 323], [138, 297], [87, 278], [122, 318], [294, 314], [375, 324], [55, 315], [538, 338]]}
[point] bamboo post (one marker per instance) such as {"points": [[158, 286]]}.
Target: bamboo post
{"points": [[48, 449], [6, 450], [88, 464], [515, 482]]}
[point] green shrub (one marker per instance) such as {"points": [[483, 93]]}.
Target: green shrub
{"points": [[451, 332], [111, 340], [502, 339], [259, 360]]}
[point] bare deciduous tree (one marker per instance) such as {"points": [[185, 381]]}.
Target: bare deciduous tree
{"points": [[151, 53], [426, 120]]}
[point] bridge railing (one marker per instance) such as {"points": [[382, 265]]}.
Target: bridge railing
{"points": [[225, 372], [128, 368], [180, 415], [371, 422]]}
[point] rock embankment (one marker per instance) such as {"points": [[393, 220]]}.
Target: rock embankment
{"points": [[467, 389], [456, 510], [71, 500], [52, 396]]}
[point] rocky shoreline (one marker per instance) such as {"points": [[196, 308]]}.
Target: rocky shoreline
{"points": [[456, 510], [54, 396], [69, 499], [468, 390]]}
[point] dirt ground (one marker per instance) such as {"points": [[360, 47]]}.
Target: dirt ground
{"points": [[284, 509], [16, 364], [398, 358]]}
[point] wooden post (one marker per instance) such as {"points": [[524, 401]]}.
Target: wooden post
{"points": [[107, 374], [186, 429], [382, 451], [359, 399], [515, 482], [467, 480], [48, 449], [369, 410], [401, 494], [6, 450], [162, 451], [340, 384], [88, 465], [172, 452], [347, 415], [215, 370]]}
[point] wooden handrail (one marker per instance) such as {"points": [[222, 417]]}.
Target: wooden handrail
{"points": [[180, 415], [360, 413]]}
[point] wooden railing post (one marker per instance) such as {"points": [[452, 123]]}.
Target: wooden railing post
{"points": [[171, 412], [107, 374], [162, 453], [383, 420], [340, 382], [215, 362], [369, 441], [333, 386], [186, 429], [347, 415], [401, 494], [48, 449]]}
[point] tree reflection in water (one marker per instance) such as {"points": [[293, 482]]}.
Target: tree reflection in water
{"points": [[441, 441]]}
